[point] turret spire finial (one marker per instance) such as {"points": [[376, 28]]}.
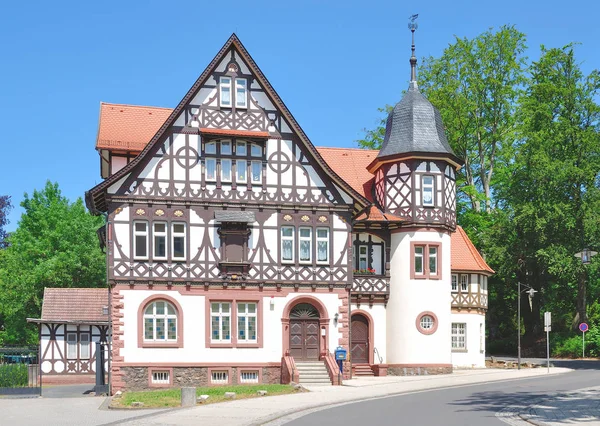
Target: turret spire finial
{"points": [[412, 26]]}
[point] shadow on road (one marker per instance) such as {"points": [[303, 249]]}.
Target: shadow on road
{"points": [[67, 391]]}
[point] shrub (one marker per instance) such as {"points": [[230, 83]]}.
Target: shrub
{"points": [[13, 375]]}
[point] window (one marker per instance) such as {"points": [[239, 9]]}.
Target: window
{"points": [[211, 169], [419, 260], [160, 240], [255, 150], [454, 282], [219, 377], [220, 324], [225, 170], [160, 322], [240, 92], [225, 89], [256, 171], [178, 241], [225, 147], [363, 257], [287, 243], [161, 377], [240, 148], [305, 245], [249, 377], [484, 283], [426, 322], [322, 245], [240, 170], [71, 345], [140, 240], [464, 283], [459, 334], [84, 345], [433, 260], [428, 191], [246, 322], [210, 148]]}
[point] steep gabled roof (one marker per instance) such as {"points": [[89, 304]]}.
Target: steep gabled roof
{"points": [[351, 165], [465, 256], [79, 305], [96, 194]]}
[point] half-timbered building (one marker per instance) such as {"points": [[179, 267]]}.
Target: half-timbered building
{"points": [[238, 251]]}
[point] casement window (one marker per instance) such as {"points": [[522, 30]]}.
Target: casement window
{"points": [[256, 171], [225, 91], [459, 335], [225, 147], [363, 257], [161, 377], [159, 232], [178, 240], [225, 170], [249, 377], [240, 92], [425, 261], [220, 322], [84, 345], [219, 377], [246, 322], [160, 322], [140, 240], [211, 169], [241, 169], [305, 238], [256, 150], [454, 283], [287, 243], [240, 149], [464, 283], [71, 345], [210, 148], [323, 245], [428, 190]]}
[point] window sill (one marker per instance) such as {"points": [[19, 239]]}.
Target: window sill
{"points": [[463, 351], [161, 345], [247, 345], [220, 345]]}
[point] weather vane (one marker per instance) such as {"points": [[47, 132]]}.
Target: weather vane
{"points": [[413, 25]]}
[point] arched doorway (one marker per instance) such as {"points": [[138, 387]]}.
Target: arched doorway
{"points": [[359, 342], [304, 332]]}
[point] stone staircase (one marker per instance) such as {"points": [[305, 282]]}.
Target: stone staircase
{"points": [[363, 370], [313, 373]]}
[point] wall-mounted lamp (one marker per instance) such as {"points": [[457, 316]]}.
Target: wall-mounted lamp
{"points": [[336, 317]]}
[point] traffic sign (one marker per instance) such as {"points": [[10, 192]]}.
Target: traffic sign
{"points": [[583, 327]]}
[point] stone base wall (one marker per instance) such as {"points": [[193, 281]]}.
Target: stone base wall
{"points": [[397, 370], [136, 378]]}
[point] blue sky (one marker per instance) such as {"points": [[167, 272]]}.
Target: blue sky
{"points": [[333, 63]]}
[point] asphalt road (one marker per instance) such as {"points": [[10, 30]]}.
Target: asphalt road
{"points": [[469, 405]]}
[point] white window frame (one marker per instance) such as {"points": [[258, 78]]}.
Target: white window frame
{"points": [[220, 314], [210, 148], [244, 95], [223, 178], [459, 336], [227, 143], [239, 144], [161, 377], [427, 322], [258, 164], [71, 340], [253, 153], [431, 256], [287, 238], [219, 377], [159, 234], [214, 163], [177, 234], [244, 166], [422, 257], [428, 187], [136, 234], [225, 83], [322, 240], [249, 376], [166, 316], [85, 345], [302, 239], [464, 283], [454, 283], [363, 256], [247, 314]]}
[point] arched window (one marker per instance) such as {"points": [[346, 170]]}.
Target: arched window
{"points": [[160, 322]]}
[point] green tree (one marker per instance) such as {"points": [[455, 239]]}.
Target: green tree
{"points": [[55, 245]]}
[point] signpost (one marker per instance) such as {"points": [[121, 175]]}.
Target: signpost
{"points": [[548, 328], [583, 327]]}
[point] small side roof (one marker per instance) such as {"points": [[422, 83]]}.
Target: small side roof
{"points": [[465, 256], [74, 305]]}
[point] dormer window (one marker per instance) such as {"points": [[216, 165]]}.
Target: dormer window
{"points": [[428, 191], [225, 91], [240, 93]]}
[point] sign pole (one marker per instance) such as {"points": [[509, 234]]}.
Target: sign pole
{"points": [[548, 327], [583, 345]]}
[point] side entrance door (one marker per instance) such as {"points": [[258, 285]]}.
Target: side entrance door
{"points": [[304, 339], [359, 346]]}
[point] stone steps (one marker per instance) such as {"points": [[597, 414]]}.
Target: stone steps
{"points": [[313, 373], [363, 370]]}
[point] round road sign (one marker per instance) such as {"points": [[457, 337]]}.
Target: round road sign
{"points": [[583, 327]]}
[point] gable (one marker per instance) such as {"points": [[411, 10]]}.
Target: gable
{"points": [[200, 116]]}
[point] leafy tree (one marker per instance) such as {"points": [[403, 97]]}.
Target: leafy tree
{"points": [[5, 207], [373, 139], [55, 245]]}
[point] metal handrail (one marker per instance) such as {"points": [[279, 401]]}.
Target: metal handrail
{"points": [[376, 352]]}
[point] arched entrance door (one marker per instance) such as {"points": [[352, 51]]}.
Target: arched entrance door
{"points": [[359, 343], [304, 332]]}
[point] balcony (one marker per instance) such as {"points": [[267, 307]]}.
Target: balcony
{"points": [[370, 284], [468, 300]]}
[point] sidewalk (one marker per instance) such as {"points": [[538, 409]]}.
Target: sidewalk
{"points": [[280, 409], [578, 407]]}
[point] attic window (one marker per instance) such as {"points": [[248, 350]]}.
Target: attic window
{"points": [[225, 91]]}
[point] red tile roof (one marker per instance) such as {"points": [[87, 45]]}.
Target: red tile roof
{"points": [[374, 214], [351, 165], [74, 305], [128, 127], [465, 256]]}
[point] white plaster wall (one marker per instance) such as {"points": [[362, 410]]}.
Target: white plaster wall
{"points": [[474, 357], [378, 313], [117, 164], [409, 298], [194, 313]]}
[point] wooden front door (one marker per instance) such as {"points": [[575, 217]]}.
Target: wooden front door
{"points": [[304, 332], [359, 343]]}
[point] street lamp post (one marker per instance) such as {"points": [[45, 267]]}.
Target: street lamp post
{"points": [[531, 292]]}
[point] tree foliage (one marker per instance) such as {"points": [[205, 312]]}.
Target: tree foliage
{"points": [[55, 245], [5, 208]]}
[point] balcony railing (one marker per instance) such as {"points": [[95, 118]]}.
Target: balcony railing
{"points": [[470, 300], [370, 284]]}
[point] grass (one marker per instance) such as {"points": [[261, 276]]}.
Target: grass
{"points": [[166, 398]]}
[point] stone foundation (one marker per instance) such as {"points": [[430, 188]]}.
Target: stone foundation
{"points": [[399, 370]]}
